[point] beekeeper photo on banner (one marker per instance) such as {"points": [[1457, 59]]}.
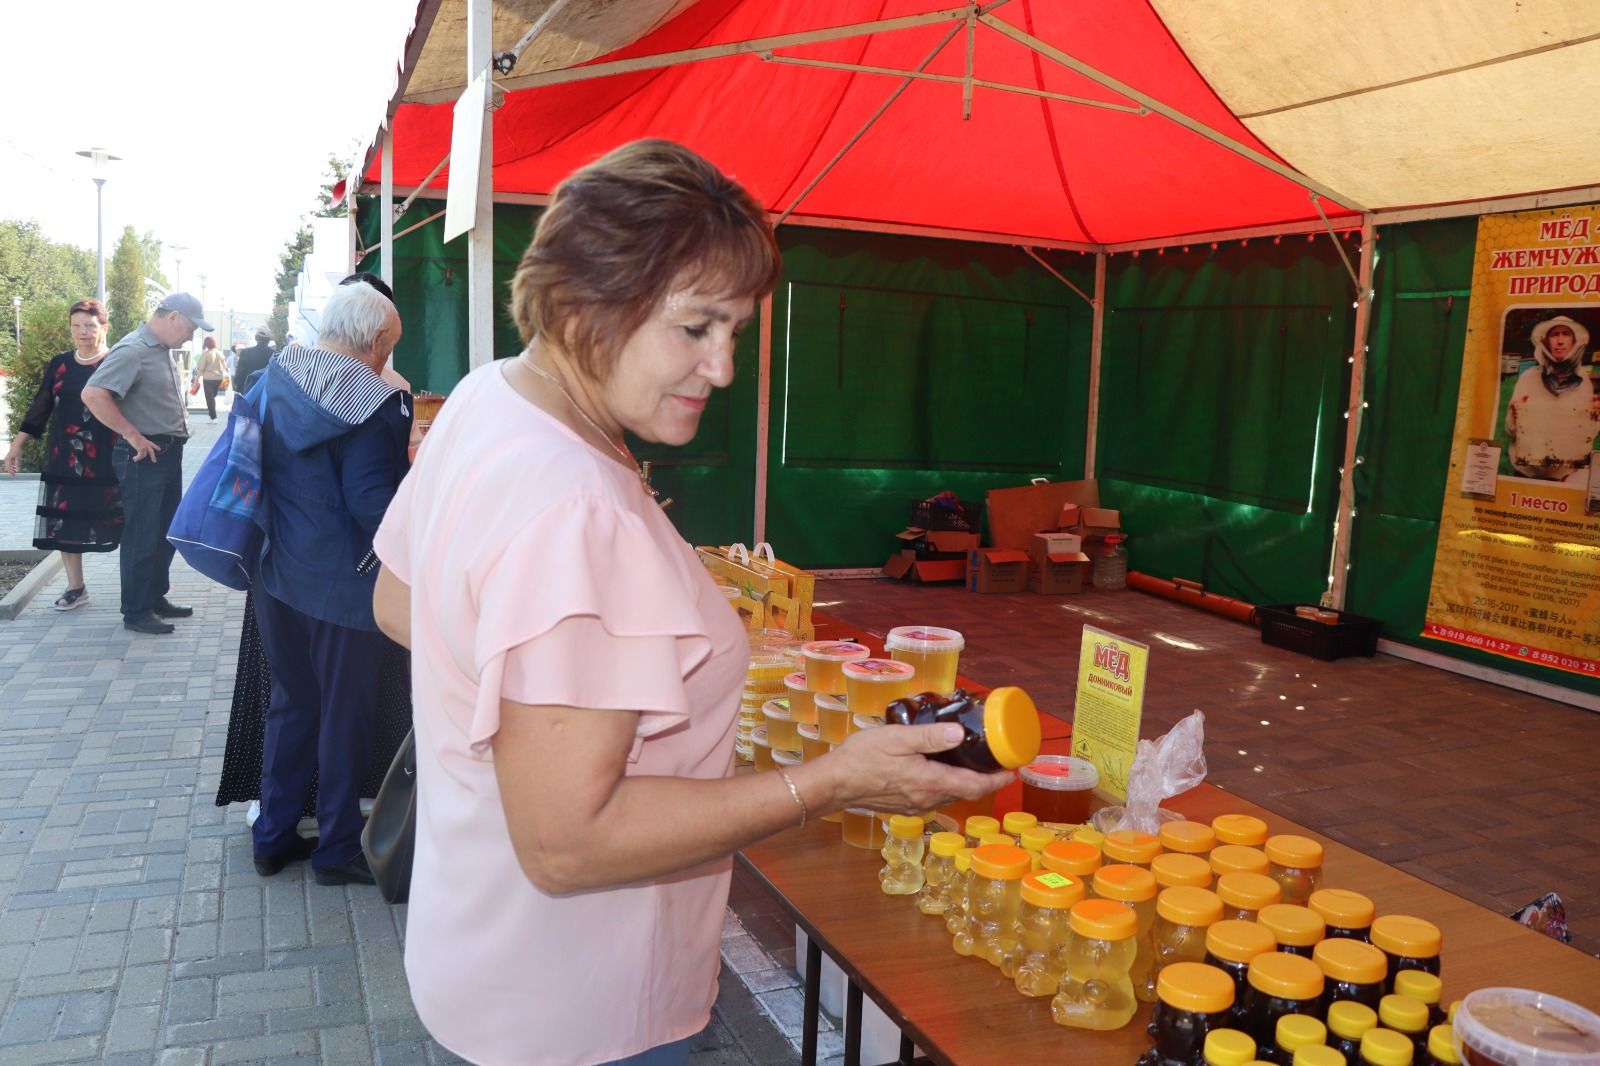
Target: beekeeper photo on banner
{"points": [[1549, 414]]}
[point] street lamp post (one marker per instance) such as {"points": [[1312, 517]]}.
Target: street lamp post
{"points": [[177, 254], [100, 157]]}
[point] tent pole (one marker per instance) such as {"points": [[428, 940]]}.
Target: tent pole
{"points": [[1053, 272], [1333, 236], [763, 418], [1095, 339], [966, 83], [1344, 515], [386, 209], [865, 126], [950, 79], [480, 242], [1055, 54]]}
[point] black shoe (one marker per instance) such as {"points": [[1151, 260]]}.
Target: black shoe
{"points": [[299, 851], [353, 871], [165, 608], [148, 624]]}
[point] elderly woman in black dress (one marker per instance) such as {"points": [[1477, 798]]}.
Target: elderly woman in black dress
{"points": [[80, 505]]}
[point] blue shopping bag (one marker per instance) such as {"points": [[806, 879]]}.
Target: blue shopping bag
{"points": [[215, 528]]}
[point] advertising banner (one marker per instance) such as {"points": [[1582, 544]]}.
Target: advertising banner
{"points": [[1517, 572], [1109, 706]]}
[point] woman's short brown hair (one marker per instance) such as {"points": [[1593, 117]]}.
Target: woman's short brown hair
{"points": [[620, 234], [90, 307]]}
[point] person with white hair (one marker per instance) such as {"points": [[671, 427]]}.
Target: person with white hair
{"points": [[333, 452], [1552, 419]]}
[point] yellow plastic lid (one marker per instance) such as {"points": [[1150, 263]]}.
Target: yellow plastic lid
{"points": [[999, 838], [964, 859], [1072, 857], [1385, 1047], [1186, 905], [1228, 1047], [1296, 927], [1195, 987], [1353, 961], [1088, 834], [1052, 890], [1175, 868], [981, 825], [1318, 1055], [1297, 852], [1419, 985], [1295, 1031], [1191, 838], [1127, 884], [1237, 859], [1129, 845], [1104, 919], [1442, 1044], [1015, 822], [1342, 908], [905, 827], [1011, 725], [1287, 976], [1036, 838], [1002, 862], [1403, 1014], [1401, 934], [1244, 829], [1450, 1015], [1349, 1019], [1236, 941], [945, 845], [1249, 892]]}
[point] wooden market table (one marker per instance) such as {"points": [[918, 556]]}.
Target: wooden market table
{"points": [[960, 1010]]}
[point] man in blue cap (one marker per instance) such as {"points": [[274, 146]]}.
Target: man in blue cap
{"points": [[137, 392]]}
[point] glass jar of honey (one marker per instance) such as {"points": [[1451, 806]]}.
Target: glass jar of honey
{"points": [[1188, 838], [1425, 988], [1348, 1022], [1294, 1032], [1001, 730], [902, 853], [1043, 930], [1228, 1047], [955, 916], [872, 684], [1385, 1047], [933, 651], [939, 873], [1239, 829], [1442, 1046], [1183, 914], [1238, 859], [1296, 865], [979, 826], [1192, 999], [1129, 847], [1135, 887], [1230, 946], [1014, 822], [1278, 984], [994, 897], [1243, 895], [802, 701], [1298, 929], [1071, 857], [833, 717], [1173, 869], [1348, 914], [1355, 971], [1406, 1016], [1096, 991], [824, 663], [1034, 840], [1410, 944]]}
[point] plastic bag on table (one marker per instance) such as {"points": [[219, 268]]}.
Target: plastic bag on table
{"points": [[1167, 766]]}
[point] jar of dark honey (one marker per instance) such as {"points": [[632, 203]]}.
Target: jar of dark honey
{"points": [[1001, 730]]}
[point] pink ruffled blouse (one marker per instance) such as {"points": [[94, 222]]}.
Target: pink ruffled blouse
{"points": [[541, 572]]}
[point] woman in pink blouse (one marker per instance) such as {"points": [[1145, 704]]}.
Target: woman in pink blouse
{"points": [[576, 672]]}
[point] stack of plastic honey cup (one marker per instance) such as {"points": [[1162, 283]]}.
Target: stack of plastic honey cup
{"points": [[772, 657]]}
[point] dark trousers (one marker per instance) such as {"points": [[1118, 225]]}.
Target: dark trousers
{"points": [[151, 490], [321, 719], [210, 385]]}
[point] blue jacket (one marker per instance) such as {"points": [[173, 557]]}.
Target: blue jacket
{"points": [[333, 452]]}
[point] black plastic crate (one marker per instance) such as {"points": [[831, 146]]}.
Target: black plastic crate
{"points": [[962, 518], [1351, 635]]}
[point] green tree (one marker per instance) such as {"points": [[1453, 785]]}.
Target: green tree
{"points": [[337, 171], [37, 268], [46, 331], [150, 256], [290, 261], [125, 286]]}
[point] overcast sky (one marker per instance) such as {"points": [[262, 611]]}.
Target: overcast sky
{"points": [[224, 111]]}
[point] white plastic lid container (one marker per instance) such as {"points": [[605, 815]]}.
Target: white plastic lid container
{"points": [[1520, 1027]]}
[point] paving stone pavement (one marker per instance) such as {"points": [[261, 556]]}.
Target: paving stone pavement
{"points": [[133, 927]]}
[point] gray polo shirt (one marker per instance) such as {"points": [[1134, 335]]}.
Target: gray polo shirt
{"points": [[140, 373]]}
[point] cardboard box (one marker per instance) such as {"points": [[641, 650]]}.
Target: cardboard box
{"points": [[1059, 574], [906, 566], [937, 543], [1049, 545], [1069, 517], [1096, 522], [992, 570], [1017, 513]]}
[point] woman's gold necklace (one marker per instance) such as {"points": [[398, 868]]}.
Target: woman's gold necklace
{"points": [[622, 452]]}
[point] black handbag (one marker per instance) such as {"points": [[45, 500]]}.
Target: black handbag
{"points": [[390, 835]]}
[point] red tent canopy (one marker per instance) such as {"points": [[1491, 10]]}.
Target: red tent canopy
{"points": [[1021, 165]]}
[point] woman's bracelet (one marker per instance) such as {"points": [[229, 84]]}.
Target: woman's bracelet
{"points": [[795, 792]]}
